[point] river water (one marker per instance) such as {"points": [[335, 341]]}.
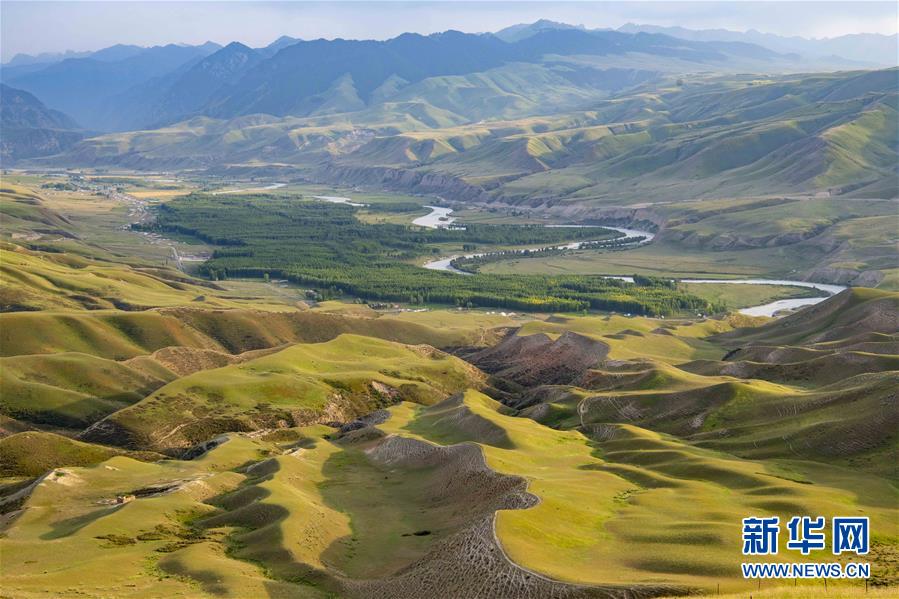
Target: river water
{"points": [[440, 217], [266, 188], [339, 200]]}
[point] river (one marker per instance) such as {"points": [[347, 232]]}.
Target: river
{"points": [[250, 190], [339, 200], [440, 217]]}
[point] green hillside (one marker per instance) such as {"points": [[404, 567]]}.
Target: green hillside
{"points": [[301, 385], [816, 385], [435, 478], [691, 136], [34, 453]]}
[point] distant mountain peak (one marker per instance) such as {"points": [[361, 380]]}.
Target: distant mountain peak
{"points": [[276, 46], [545, 23], [237, 46], [516, 33]]}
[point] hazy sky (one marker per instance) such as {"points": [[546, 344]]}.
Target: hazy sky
{"points": [[35, 26]]}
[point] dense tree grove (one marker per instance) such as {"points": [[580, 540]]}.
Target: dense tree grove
{"points": [[472, 264], [325, 247]]}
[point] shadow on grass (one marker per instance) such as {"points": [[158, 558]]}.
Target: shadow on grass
{"points": [[70, 526], [258, 538]]}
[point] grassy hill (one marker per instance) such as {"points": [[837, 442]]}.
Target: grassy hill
{"points": [[46, 281], [301, 385], [816, 385], [623, 485], [854, 312], [284, 499], [687, 137], [440, 480], [34, 453], [714, 138], [74, 369]]}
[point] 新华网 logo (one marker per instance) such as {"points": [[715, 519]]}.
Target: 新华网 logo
{"points": [[849, 535]]}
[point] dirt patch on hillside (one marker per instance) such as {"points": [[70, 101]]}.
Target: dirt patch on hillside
{"points": [[539, 360], [452, 414], [470, 561]]}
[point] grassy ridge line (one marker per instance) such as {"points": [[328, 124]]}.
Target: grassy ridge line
{"points": [[34, 453], [289, 497], [72, 369], [668, 341], [815, 385], [51, 281], [634, 507], [335, 381], [73, 390], [851, 313], [123, 335]]}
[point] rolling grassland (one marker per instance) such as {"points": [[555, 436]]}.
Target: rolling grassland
{"points": [[255, 442]]}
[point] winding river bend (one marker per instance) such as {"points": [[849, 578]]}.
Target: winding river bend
{"points": [[251, 190], [439, 217]]}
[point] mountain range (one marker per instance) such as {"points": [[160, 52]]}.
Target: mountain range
{"points": [[127, 88], [857, 49], [31, 129], [536, 112], [659, 136], [112, 53], [85, 88], [865, 49]]}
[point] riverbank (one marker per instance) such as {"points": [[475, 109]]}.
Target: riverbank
{"points": [[643, 237]]}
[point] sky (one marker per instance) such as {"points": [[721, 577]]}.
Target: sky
{"points": [[32, 26]]}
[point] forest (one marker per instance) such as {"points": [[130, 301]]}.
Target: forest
{"points": [[471, 264], [324, 246]]}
